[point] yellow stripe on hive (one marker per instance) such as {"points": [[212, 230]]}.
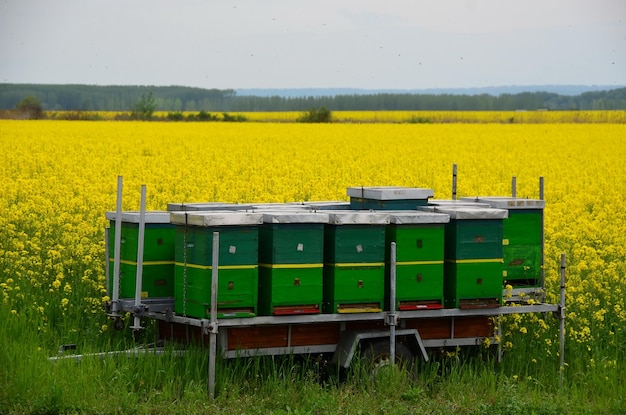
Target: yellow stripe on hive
{"points": [[197, 266], [127, 262], [292, 266], [420, 262], [475, 261], [357, 264]]}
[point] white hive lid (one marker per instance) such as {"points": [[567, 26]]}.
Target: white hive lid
{"points": [[293, 216], [328, 204], [216, 218], [151, 216], [461, 202], [417, 217], [390, 193], [508, 202], [357, 217], [468, 212], [206, 206], [275, 206]]}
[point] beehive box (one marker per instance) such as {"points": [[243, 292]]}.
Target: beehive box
{"points": [[158, 254], [388, 197], [473, 256], [291, 255], [522, 244], [354, 261], [419, 238], [237, 263]]}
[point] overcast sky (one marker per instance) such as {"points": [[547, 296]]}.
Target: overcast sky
{"points": [[382, 44]]}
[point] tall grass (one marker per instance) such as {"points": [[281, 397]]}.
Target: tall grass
{"points": [[468, 381]]}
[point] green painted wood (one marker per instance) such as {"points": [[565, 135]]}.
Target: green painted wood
{"points": [[523, 249], [419, 262], [354, 244], [291, 243], [416, 242], [158, 241], [473, 239], [291, 286], [239, 245], [157, 279], [353, 285], [417, 283], [236, 292], [472, 281]]}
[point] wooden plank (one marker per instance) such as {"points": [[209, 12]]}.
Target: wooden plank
{"points": [[315, 334], [477, 326], [257, 337], [431, 328]]}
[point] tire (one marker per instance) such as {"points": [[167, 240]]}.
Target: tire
{"points": [[376, 357]]}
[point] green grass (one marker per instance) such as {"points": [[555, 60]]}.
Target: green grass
{"points": [[468, 382]]}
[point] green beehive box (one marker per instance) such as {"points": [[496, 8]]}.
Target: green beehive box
{"points": [[522, 243], [237, 263], [158, 254], [157, 280], [473, 255], [476, 284], [473, 239], [354, 261], [419, 238], [291, 254], [388, 197]]}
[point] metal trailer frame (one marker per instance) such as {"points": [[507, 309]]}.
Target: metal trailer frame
{"points": [[343, 351]]}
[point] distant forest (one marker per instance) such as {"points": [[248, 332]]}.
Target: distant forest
{"points": [[178, 98]]}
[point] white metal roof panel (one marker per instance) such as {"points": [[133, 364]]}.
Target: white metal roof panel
{"points": [[390, 192], [357, 217], [151, 216], [468, 212], [508, 202], [417, 217], [293, 216], [216, 218]]}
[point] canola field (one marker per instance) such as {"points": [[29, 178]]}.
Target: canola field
{"points": [[59, 178]]}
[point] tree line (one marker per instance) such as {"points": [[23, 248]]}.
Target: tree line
{"points": [[178, 98]]}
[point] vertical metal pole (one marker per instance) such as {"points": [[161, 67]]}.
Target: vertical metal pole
{"points": [[514, 187], [562, 323], [140, 246], [543, 238], [392, 305], [499, 357], [213, 326], [454, 181], [115, 295], [107, 256]]}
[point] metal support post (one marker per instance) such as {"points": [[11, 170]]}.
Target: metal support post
{"points": [[213, 325], [115, 295], [514, 187], [454, 182], [391, 320], [107, 255], [543, 241], [562, 323], [139, 275]]}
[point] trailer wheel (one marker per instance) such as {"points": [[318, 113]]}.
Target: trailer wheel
{"points": [[376, 357], [118, 323]]}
